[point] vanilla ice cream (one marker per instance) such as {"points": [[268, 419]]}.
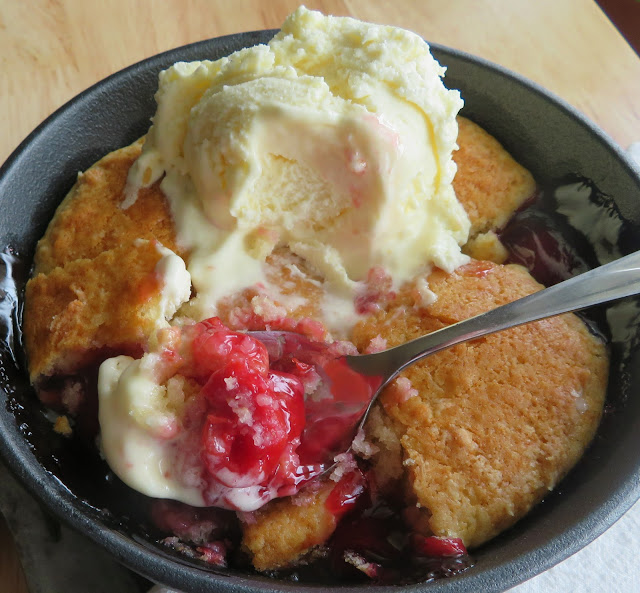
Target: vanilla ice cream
{"points": [[335, 139]]}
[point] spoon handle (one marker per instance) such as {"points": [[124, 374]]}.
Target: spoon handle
{"points": [[615, 280]]}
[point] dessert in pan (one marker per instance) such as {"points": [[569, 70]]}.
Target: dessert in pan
{"points": [[322, 184]]}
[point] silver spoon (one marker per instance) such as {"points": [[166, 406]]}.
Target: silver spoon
{"points": [[615, 280]]}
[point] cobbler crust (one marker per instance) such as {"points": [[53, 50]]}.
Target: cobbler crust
{"points": [[110, 302], [494, 423]]}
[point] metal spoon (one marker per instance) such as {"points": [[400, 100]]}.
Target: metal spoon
{"points": [[370, 373]]}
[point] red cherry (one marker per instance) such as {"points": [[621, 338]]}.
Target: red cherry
{"points": [[324, 437], [439, 547], [346, 493], [253, 418], [215, 346]]}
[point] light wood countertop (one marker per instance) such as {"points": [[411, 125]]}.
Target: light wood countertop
{"points": [[51, 50]]}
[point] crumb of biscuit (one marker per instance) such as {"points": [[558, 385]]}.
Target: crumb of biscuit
{"points": [[72, 395], [488, 247], [377, 344], [362, 447], [263, 306], [345, 463], [62, 426]]}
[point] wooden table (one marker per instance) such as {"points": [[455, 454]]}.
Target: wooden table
{"points": [[50, 51]]}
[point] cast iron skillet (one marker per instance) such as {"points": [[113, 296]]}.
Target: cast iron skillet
{"points": [[542, 132]]}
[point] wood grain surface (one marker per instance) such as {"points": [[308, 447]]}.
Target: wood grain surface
{"points": [[50, 50], [11, 575]]}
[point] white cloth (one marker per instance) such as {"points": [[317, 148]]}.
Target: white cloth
{"points": [[610, 564], [634, 152]]}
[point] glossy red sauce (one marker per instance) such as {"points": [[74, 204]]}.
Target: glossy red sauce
{"points": [[254, 416], [346, 493]]}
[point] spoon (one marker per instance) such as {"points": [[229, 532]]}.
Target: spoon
{"points": [[350, 384]]}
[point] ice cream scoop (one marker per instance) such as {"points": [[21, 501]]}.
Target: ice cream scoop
{"points": [[334, 140]]}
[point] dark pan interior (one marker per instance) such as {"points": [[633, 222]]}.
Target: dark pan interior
{"points": [[544, 134]]}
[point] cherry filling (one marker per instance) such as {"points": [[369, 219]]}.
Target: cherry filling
{"points": [[335, 395], [253, 424], [214, 347], [440, 547], [374, 543], [273, 409], [254, 415], [538, 242], [346, 494], [331, 420]]}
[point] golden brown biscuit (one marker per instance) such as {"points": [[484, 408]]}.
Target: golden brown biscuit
{"points": [[286, 529], [109, 302], [90, 268], [489, 183], [90, 220], [493, 424]]}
